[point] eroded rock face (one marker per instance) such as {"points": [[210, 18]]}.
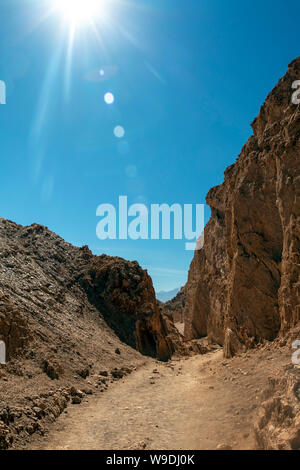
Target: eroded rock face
{"points": [[244, 283], [125, 296], [277, 426]]}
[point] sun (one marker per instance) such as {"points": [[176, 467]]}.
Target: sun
{"points": [[80, 11]]}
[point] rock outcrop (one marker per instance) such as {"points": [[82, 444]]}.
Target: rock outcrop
{"points": [[244, 284], [124, 295]]}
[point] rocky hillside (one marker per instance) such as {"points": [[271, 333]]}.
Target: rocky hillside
{"points": [[45, 281], [65, 316], [244, 284]]}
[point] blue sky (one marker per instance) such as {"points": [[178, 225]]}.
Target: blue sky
{"points": [[188, 78]]}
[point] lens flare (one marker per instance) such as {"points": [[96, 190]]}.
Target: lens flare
{"points": [[109, 98], [119, 132], [80, 11]]}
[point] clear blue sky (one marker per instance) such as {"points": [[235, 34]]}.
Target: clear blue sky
{"points": [[188, 78]]}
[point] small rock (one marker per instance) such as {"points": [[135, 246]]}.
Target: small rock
{"points": [[224, 447], [38, 412], [104, 373], [76, 400]]}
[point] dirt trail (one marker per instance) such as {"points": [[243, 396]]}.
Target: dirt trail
{"points": [[195, 403]]}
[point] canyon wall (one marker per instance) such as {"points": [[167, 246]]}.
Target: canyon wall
{"points": [[243, 285]]}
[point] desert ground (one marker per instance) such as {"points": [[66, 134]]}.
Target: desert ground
{"points": [[202, 402]]}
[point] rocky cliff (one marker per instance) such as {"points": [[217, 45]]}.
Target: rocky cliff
{"points": [[244, 285]]}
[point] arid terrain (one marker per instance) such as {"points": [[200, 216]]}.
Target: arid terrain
{"points": [[94, 361], [203, 402]]}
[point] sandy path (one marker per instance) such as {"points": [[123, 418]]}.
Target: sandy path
{"points": [[188, 404]]}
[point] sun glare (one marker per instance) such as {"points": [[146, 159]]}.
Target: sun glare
{"points": [[80, 11]]}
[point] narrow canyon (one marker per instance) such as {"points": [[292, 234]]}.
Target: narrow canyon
{"points": [[94, 361]]}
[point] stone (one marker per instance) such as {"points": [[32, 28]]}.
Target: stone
{"points": [[224, 447], [76, 400]]}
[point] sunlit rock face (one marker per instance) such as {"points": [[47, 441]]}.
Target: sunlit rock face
{"points": [[243, 285], [123, 292]]}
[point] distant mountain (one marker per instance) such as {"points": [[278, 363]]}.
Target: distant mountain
{"points": [[165, 296]]}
